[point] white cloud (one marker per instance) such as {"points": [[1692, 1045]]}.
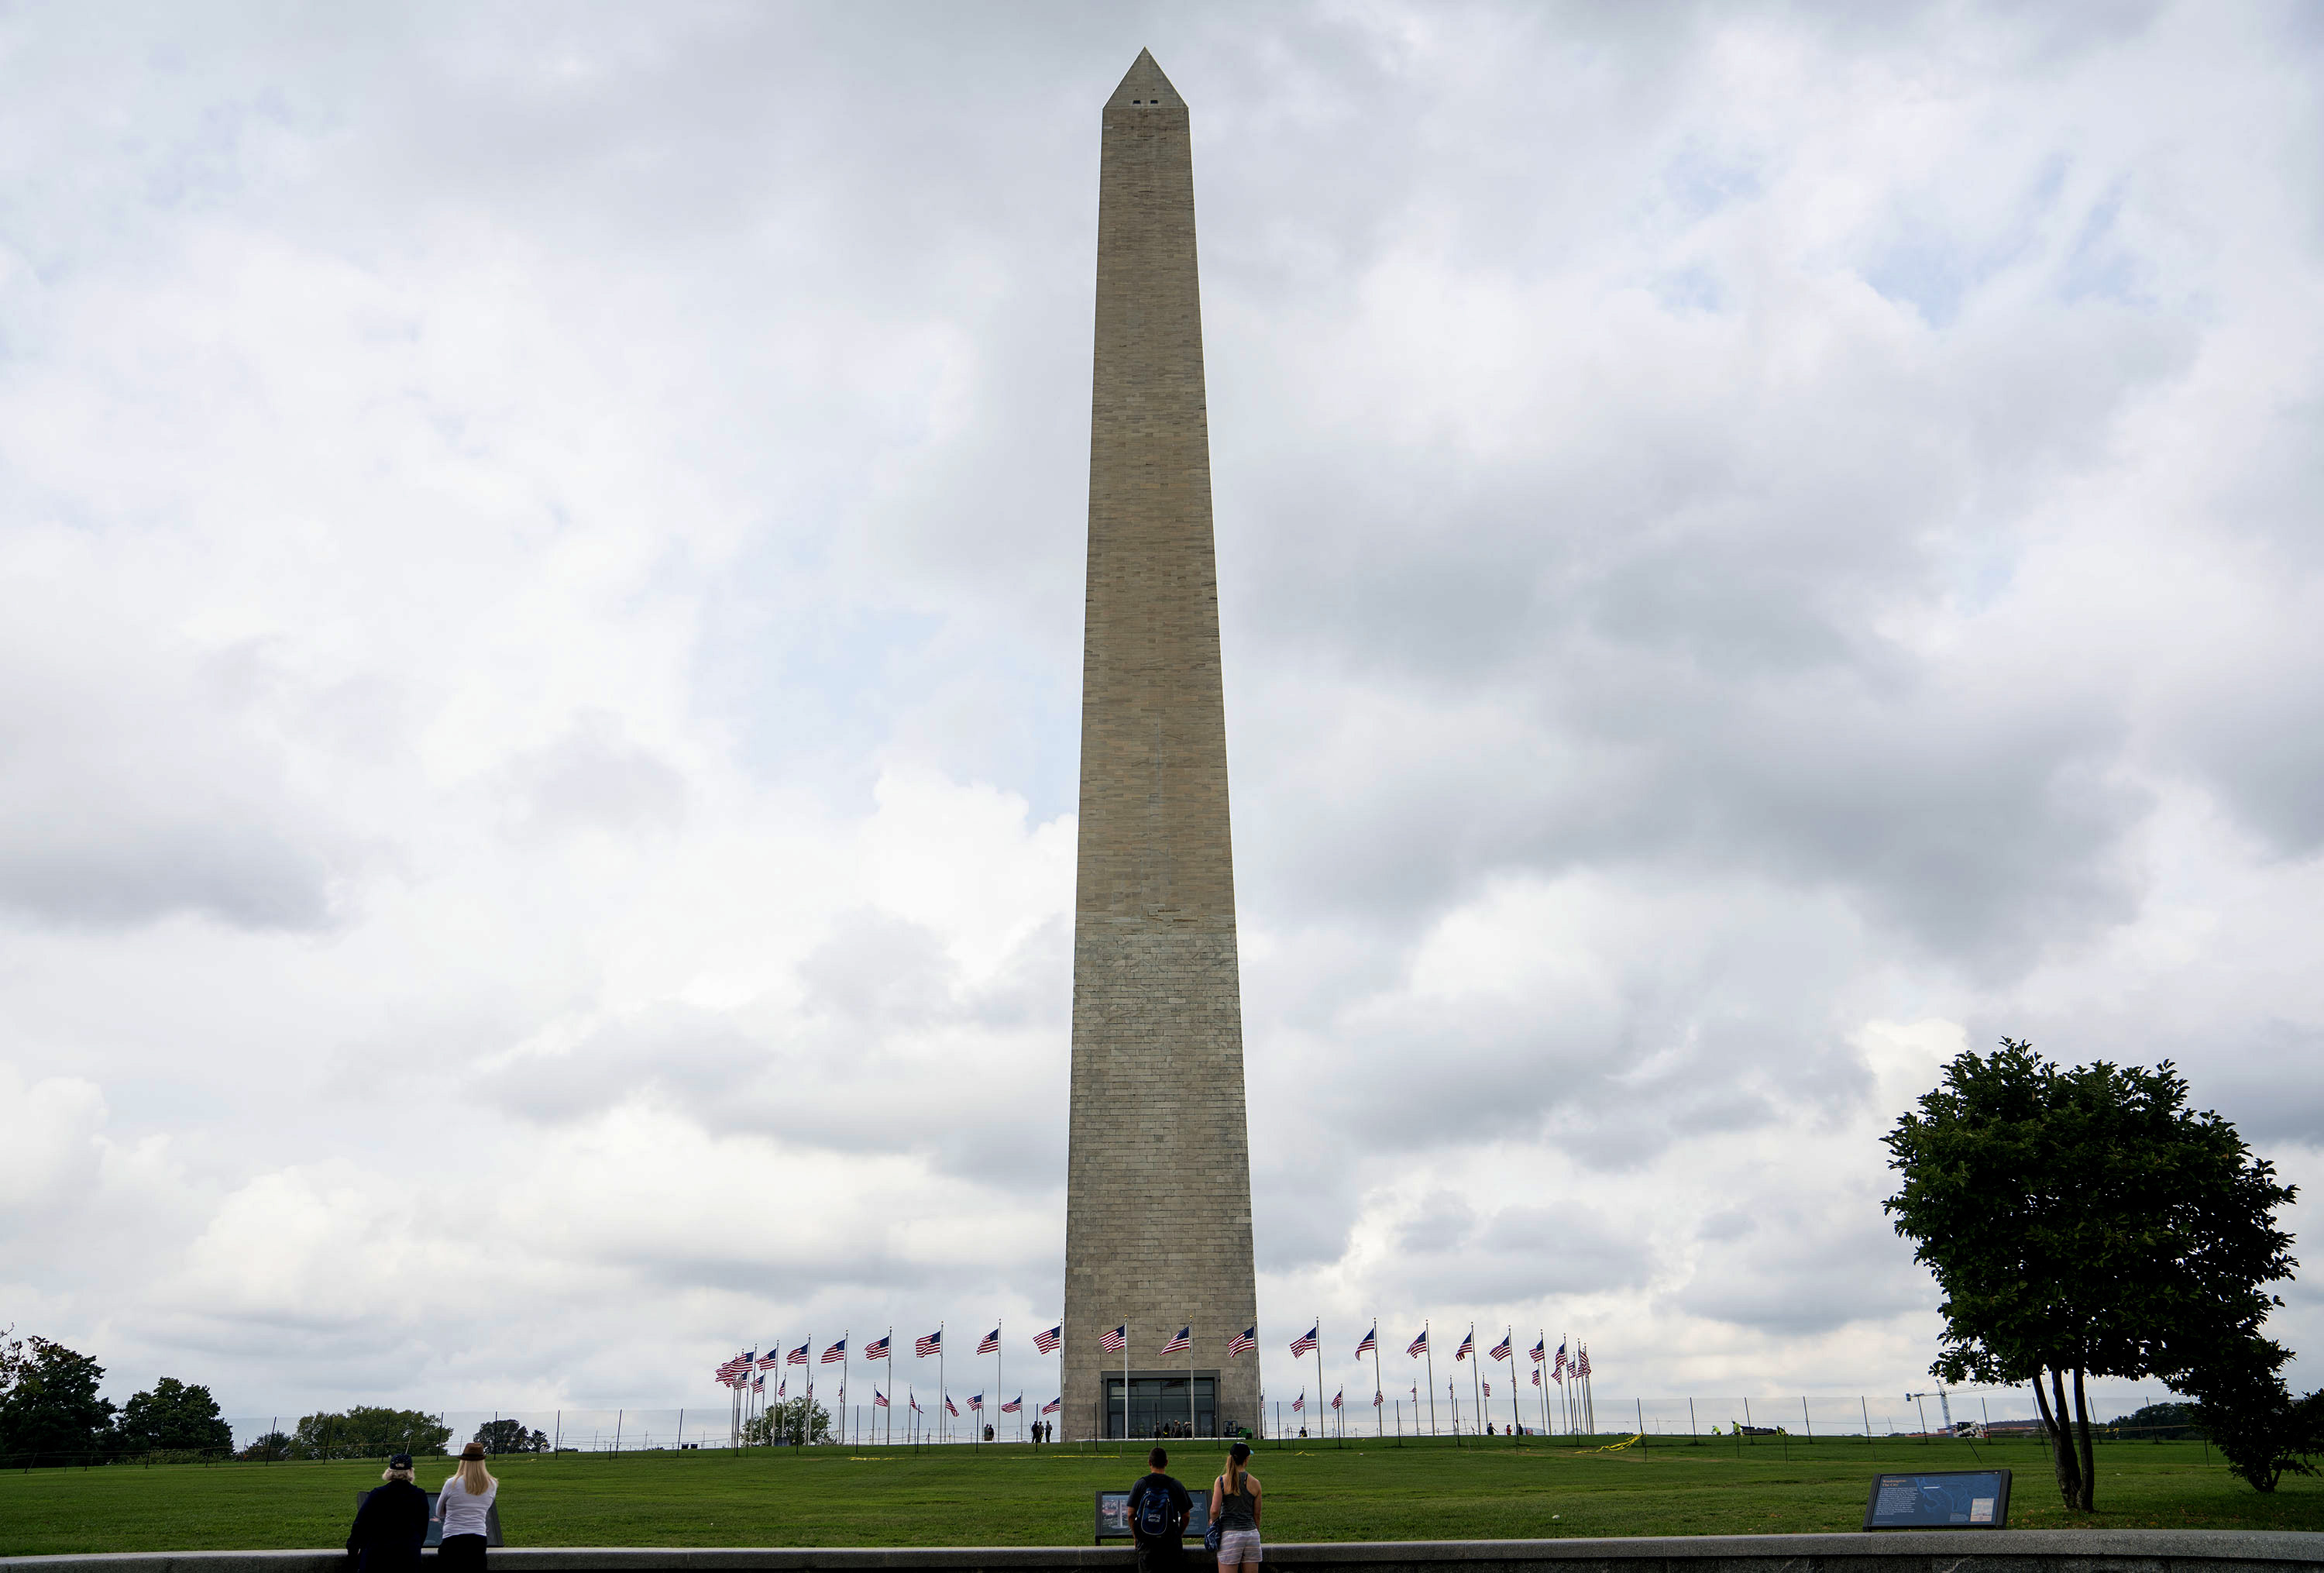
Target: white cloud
{"points": [[539, 715]]}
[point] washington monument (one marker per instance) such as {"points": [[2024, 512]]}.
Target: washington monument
{"points": [[1158, 1186]]}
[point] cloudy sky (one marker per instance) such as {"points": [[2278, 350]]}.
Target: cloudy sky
{"points": [[542, 547]]}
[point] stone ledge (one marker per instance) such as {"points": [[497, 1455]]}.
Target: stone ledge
{"points": [[1895, 1551]]}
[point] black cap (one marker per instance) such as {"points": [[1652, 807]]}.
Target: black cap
{"points": [[400, 1461]]}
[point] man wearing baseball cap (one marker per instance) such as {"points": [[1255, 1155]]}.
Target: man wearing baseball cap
{"points": [[392, 1524]]}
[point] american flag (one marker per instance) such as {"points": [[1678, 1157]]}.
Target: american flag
{"points": [[948, 1407], [1499, 1351], [1538, 1356], [1468, 1347], [915, 1403], [771, 1358], [1116, 1341], [1338, 1396], [929, 1344], [1306, 1340], [1377, 1399], [1419, 1345], [1557, 1372], [989, 1343], [1300, 1402], [799, 1357], [879, 1399], [976, 1401], [1488, 1390], [835, 1353], [758, 1384], [1243, 1342], [1536, 1379], [782, 1387], [1371, 1346], [1013, 1405], [1182, 1343], [1581, 1365], [730, 1370], [1054, 1405], [877, 1349], [1048, 1342]]}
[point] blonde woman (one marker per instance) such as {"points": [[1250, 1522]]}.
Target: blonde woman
{"points": [[1234, 1508], [466, 1506]]}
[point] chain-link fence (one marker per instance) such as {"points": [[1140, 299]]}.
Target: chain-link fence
{"points": [[1567, 1419]]}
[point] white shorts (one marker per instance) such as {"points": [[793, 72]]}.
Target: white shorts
{"points": [[1237, 1546]]}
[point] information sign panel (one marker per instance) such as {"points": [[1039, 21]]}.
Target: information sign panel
{"points": [[1113, 1515], [1943, 1499]]}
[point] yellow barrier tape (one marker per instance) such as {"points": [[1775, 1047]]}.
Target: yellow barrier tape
{"points": [[1616, 1447]]}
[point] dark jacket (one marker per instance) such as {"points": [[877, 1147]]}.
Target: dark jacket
{"points": [[390, 1526]]}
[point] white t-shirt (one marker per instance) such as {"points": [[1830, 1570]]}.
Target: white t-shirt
{"points": [[464, 1514]]}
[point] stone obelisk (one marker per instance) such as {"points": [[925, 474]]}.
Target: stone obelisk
{"points": [[1157, 1189]]}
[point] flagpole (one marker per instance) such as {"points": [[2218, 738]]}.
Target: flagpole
{"points": [[890, 1347], [1428, 1353], [1477, 1377], [1543, 1380], [943, 1393], [996, 1375], [1509, 1340], [1126, 1337], [1190, 1382], [1319, 1360], [1379, 1390]]}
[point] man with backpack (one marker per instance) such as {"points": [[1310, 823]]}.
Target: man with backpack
{"points": [[1158, 1510]]}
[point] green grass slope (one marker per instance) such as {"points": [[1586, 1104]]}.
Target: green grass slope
{"points": [[1015, 1496]]}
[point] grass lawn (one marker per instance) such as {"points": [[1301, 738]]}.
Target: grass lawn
{"points": [[1015, 1495]]}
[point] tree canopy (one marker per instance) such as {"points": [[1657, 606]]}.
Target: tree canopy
{"points": [[364, 1431], [49, 1410], [798, 1422], [2082, 1222], [174, 1416], [505, 1436]]}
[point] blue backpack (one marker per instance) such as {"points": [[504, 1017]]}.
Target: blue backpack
{"points": [[1156, 1517]]}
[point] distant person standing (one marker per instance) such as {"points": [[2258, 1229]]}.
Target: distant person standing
{"points": [[1159, 1508], [466, 1506], [1234, 1508], [392, 1524]]}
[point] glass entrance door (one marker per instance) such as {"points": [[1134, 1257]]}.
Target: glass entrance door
{"points": [[1158, 1405]]}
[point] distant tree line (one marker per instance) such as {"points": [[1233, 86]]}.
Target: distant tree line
{"points": [[50, 1410], [51, 1413]]}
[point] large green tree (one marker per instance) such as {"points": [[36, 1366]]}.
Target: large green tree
{"points": [[505, 1436], [49, 1410], [2082, 1223], [174, 1416], [798, 1421], [365, 1432]]}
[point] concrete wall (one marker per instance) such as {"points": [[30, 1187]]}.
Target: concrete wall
{"points": [[1906, 1552]]}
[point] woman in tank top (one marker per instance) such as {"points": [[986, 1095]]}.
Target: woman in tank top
{"points": [[466, 1506], [1234, 1508]]}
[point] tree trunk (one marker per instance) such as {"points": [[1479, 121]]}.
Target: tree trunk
{"points": [[2064, 1458], [2090, 1464]]}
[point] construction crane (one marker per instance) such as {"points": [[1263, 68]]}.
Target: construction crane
{"points": [[1944, 1407]]}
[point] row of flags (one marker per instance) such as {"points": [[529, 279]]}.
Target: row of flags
{"points": [[747, 1371], [736, 1372], [732, 1372]]}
